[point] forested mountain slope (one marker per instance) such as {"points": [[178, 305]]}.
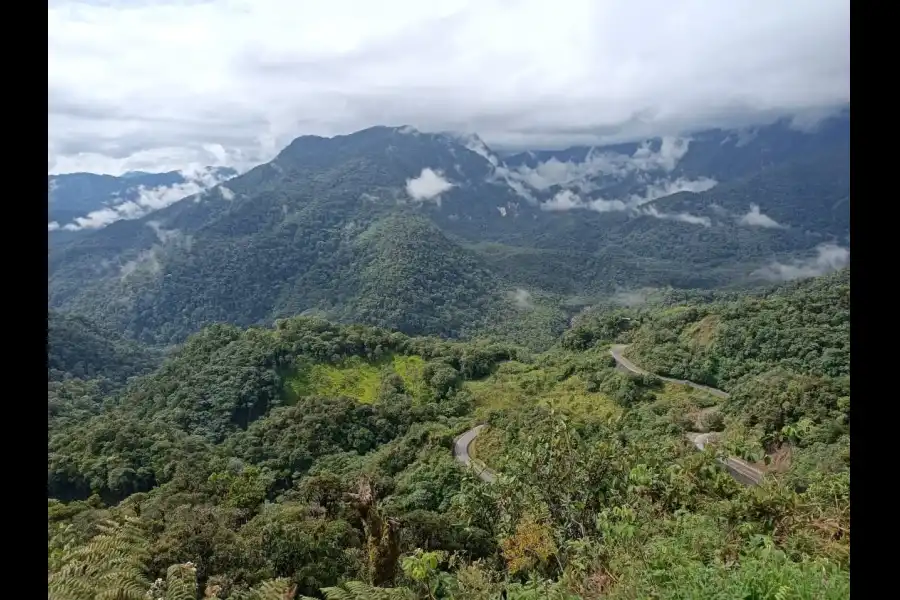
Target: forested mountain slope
{"points": [[73, 195], [302, 233], [311, 455], [79, 348], [803, 327], [782, 353]]}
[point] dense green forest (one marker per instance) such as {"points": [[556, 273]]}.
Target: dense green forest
{"points": [[79, 348], [315, 459], [328, 228]]}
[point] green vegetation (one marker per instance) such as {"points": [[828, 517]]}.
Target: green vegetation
{"points": [[327, 229], [802, 327], [314, 460], [359, 379], [783, 354], [297, 440], [553, 380], [78, 348]]}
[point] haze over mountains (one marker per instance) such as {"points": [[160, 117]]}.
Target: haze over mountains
{"points": [[437, 233], [448, 301], [84, 201]]}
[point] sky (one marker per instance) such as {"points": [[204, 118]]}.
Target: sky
{"points": [[164, 85]]}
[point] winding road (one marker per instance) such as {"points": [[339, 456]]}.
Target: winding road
{"points": [[461, 452], [739, 469], [617, 349]]}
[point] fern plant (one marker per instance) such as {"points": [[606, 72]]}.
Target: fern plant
{"points": [[276, 589], [357, 590], [112, 565]]}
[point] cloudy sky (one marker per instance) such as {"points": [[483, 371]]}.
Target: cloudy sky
{"points": [[159, 85]]}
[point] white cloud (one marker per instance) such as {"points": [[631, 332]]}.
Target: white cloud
{"points": [[651, 211], [521, 298], [596, 164], [157, 85], [427, 186], [147, 261], [568, 200], [754, 218], [477, 145], [563, 201], [52, 226], [670, 152], [829, 257], [661, 189], [148, 200], [163, 235], [226, 193]]}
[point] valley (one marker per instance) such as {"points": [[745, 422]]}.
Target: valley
{"points": [[247, 451], [399, 364]]}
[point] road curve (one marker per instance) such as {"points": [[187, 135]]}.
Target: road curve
{"points": [[616, 351], [461, 453], [739, 469]]}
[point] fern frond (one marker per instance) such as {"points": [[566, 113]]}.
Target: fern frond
{"points": [[276, 589], [357, 590], [181, 582], [110, 566]]}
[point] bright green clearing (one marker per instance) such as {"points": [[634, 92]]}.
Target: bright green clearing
{"points": [[516, 384], [357, 378]]}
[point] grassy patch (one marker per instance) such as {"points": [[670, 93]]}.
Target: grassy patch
{"points": [[354, 378], [488, 448], [515, 384], [411, 370], [673, 311], [678, 393], [357, 378], [702, 332]]}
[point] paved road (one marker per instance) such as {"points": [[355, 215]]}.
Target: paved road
{"points": [[617, 350], [461, 453], [739, 469]]}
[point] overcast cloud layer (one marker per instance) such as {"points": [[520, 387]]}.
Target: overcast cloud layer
{"points": [[160, 85]]}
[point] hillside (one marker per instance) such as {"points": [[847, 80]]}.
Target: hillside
{"points": [[321, 454], [73, 195], [301, 233], [803, 327], [79, 348], [783, 354]]}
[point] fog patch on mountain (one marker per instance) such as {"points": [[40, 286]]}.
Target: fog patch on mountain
{"points": [[631, 298], [755, 218], [146, 261], [598, 164], [521, 298], [429, 185], [661, 189], [568, 200], [144, 200], [829, 257], [651, 211], [172, 237]]}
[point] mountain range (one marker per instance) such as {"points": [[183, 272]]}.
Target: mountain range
{"points": [[436, 233], [78, 202]]}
